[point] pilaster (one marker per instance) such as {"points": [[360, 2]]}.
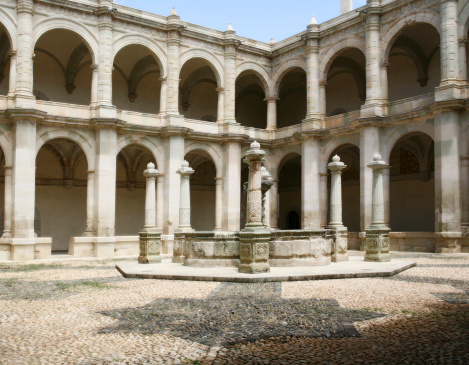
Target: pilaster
{"points": [[232, 185], [173, 41], [314, 113], [8, 203], [310, 184], [231, 45], [271, 112]]}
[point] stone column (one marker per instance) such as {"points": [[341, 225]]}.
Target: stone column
{"points": [[230, 74], [312, 72], [89, 232], [323, 199], [94, 84], [105, 192], [12, 85], [377, 235], [322, 97], [387, 194], [150, 236], [7, 209], [374, 104], [173, 41], [339, 232], [271, 112], [106, 62], [185, 198], [159, 201], [463, 42], [346, 6], [24, 55], [465, 192], [273, 192], [310, 184], [221, 104], [384, 82], [254, 239], [267, 184], [447, 182], [163, 95], [232, 185], [219, 203]]}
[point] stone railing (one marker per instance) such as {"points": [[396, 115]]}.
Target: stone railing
{"points": [[341, 119], [136, 118], [201, 126], [64, 110], [409, 104]]}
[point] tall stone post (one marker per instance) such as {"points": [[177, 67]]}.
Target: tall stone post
{"points": [[94, 84], [150, 236], [377, 235], [219, 204], [12, 85], [267, 184], [232, 185], [339, 232], [163, 95], [254, 239], [7, 209], [273, 192], [313, 105], [174, 41], [185, 198], [184, 210], [159, 202], [89, 231], [310, 184], [221, 104], [271, 112], [323, 203], [230, 74]]}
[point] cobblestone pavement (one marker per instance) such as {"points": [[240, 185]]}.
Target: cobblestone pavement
{"points": [[84, 312]]}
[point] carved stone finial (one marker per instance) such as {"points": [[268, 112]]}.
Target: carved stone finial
{"points": [[376, 157], [230, 28], [336, 158], [272, 41], [255, 146], [173, 12], [313, 21]]}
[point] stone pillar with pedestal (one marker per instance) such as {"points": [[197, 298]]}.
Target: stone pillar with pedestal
{"points": [[271, 112], [150, 236], [184, 210], [267, 184], [377, 235], [339, 232], [254, 239]]}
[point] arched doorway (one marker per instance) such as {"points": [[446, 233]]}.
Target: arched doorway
{"points": [[346, 82], [414, 62], [62, 69], [291, 106], [350, 155], [130, 189], [251, 109], [61, 181], [198, 91], [289, 189], [136, 84], [412, 184], [203, 194], [5, 56]]}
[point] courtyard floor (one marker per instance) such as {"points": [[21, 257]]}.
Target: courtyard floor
{"points": [[85, 312]]}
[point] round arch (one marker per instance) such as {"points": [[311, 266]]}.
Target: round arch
{"points": [[396, 135], [141, 40], [81, 141], [9, 23], [149, 144], [393, 31], [464, 21], [285, 158], [5, 145], [333, 145], [214, 62], [58, 23], [259, 71], [286, 67], [331, 54], [212, 152]]}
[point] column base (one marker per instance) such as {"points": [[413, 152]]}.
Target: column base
{"points": [[167, 244], [451, 89], [25, 249], [254, 250], [104, 247], [377, 244], [150, 246], [374, 109], [339, 244], [448, 242], [178, 248]]}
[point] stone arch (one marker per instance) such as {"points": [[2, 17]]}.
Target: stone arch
{"points": [[9, 23], [5, 145], [333, 145], [263, 75], [80, 140], [393, 31], [210, 150], [146, 142], [284, 68], [284, 159], [141, 40], [464, 21], [214, 62], [331, 54], [396, 135], [57, 23]]}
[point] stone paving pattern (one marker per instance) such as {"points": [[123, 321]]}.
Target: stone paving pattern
{"points": [[85, 312]]}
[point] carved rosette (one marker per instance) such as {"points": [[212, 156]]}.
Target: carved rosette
{"points": [[150, 247]]}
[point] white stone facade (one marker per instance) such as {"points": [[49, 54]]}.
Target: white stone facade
{"points": [[92, 91]]}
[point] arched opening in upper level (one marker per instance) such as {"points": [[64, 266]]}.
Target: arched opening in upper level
{"points": [[289, 190], [203, 194], [412, 184], [198, 96], [350, 155], [136, 83], [132, 160], [414, 62], [346, 82], [251, 109], [61, 192], [5, 48], [291, 106], [62, 68]]}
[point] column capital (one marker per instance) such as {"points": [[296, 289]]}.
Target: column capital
{"points": [[185, 171], [151, 172], [272, 99], [255, 153], [336, 166], [220, 90], [377, 164], [25, 6], [323, 83]]}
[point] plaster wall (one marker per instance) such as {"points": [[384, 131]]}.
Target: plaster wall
{"points": [[203, 209], [130, 211]]}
